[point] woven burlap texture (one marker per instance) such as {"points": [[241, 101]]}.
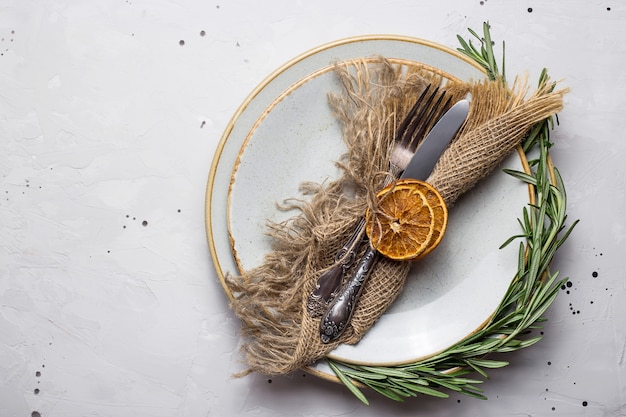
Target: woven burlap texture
{"points": [[278, 335]]}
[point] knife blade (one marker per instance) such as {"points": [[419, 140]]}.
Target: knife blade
{"points": [[336, 319], [437, 140]]}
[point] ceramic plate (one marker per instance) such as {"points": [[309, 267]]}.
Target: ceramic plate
{"points": [[284, 134]]}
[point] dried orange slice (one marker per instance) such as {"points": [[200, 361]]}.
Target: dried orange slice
{"points": [[409, 221]]}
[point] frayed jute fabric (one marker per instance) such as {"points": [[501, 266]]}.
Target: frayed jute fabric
{"points": [[279, 336]]}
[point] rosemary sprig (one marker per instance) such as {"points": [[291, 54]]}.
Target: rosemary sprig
{"points": [[531, 292], [484, 56]]}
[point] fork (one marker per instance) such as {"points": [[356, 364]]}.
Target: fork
{"points": [[411, 131], [339, 313]]}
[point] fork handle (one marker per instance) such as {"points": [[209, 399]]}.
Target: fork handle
{"points": [[329, 282], [336, 319]]}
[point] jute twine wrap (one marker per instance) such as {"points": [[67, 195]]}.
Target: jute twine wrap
{"points": [[279, 336]]}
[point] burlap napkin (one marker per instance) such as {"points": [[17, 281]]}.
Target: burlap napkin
{"points": [[279, 336]]}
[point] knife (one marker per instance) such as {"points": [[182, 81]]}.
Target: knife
{"points": [[339, 313]]}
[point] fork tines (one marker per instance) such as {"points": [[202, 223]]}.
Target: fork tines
{"points": [[423, 115]]}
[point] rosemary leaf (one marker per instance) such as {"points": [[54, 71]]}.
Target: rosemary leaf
{"points": [[426, 390], [445, 384], [529, 179], [386, 392], [488, 363], [348, 383], [388, 371]]}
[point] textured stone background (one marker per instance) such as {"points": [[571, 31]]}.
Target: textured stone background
{"points": [[110, 113]]}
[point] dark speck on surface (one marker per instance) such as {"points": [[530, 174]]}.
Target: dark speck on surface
{"points": [[144, 223], [181, 42]]}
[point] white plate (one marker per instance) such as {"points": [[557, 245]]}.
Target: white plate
{"points": [[284, 133]]}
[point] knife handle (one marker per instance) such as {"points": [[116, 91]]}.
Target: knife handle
{"points": [[338, 315], [329, 282]]}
